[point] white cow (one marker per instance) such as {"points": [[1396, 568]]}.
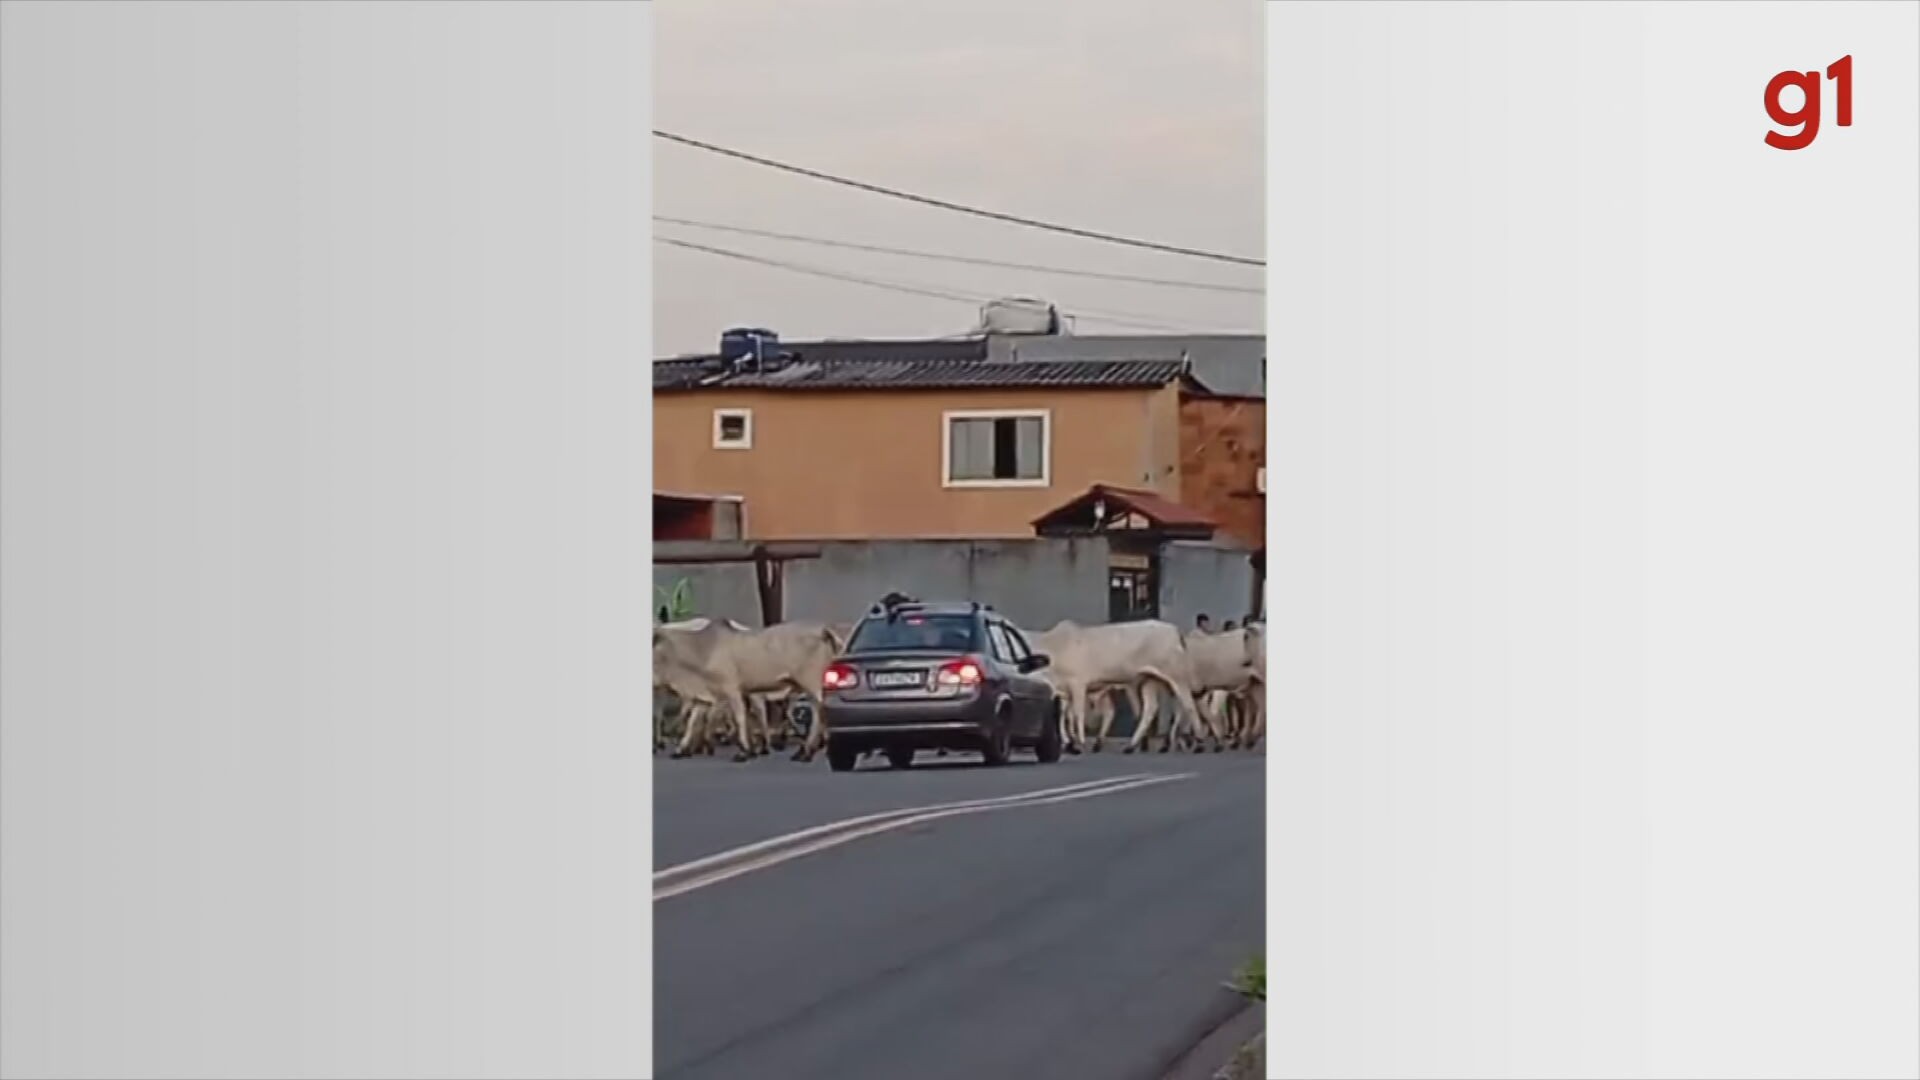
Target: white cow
{"points": [[1144, 698], [1254, 700], [711, 724], [1226, 679], [816, 734], [693, 712], [1223, 669], [1145, 655], [721, 666]]}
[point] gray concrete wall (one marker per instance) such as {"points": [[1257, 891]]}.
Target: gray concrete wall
{"points": [[1200, 577], [720, 590], [1035, 583]]}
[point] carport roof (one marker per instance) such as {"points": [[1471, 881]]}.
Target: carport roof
{"points": [[1162, 514]]}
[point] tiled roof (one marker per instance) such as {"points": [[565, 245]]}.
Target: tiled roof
{"points": [[920, 365]]}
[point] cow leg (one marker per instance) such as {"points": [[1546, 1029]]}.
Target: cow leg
{"points": [[1214, 717], [1076, 712], [1108, 712], [1147, 698], [1136, 698], [1154, 692], [816, 733], [692, 718], [742, 724], [797, 692], [699, 736], [689, 725], [749, 739], [1147, 717], [1205, 723], [764, 713], [1184, 700], [713, 730], [1213, 721], [1256, 707], [1182, 729], [1231, 715], [1186, 713], [1101, 724], [779, 717]]}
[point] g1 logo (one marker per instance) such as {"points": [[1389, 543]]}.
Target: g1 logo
{"points": [[1807, 117]]}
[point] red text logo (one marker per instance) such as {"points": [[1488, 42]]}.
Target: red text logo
{"points": [[1805, 120]]}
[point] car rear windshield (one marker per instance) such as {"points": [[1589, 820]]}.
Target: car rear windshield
{"points": [[946, 633]]}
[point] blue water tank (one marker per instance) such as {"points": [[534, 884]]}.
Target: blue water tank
{"points": [[742, 342]]}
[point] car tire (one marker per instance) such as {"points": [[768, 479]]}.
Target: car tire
{"points": [[999, 745], [900, 757], [842, 758], [1049, 747]]}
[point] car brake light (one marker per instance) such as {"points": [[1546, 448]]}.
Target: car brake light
{"points": [[840, 677], [959, 673]]}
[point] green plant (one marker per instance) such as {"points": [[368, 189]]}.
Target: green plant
{"points": [[676, 605], [1251, 979]]}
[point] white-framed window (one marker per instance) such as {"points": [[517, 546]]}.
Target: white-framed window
{"points": [[733, 429], [996, 448]]}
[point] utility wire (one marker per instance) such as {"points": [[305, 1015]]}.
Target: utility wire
{"points": [[924, 200], [1205, 286], [914, 288], [896, 286]]}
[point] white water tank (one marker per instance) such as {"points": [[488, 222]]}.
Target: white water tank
{"points": [[1020, 315]]}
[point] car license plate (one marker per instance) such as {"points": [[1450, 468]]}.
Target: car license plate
{"points": [[885, 680]]}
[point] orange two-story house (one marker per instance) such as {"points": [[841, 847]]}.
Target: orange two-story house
{"points": [[932, 439]]}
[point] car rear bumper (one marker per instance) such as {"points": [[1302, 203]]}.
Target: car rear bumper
{"points": [[922, 723]]}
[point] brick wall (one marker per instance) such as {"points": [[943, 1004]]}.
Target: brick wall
{"points": [[1223, 446]]}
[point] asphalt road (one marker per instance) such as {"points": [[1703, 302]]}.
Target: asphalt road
{"points": [[1085, 939]]}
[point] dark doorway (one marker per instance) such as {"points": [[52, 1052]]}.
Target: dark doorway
{"points": [[1132, 593]]}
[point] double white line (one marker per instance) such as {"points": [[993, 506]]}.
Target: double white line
{"points": [[732, 863]]}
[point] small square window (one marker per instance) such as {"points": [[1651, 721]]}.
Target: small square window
{"points": [[732, 429], [997, 449]]}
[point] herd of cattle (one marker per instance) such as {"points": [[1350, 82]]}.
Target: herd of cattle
{"points": [[719, 683]]}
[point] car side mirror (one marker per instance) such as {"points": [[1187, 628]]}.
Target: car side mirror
{"points": [[1035, 662]]}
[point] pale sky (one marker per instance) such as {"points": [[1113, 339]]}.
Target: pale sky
{"points": [[1139, 117]]}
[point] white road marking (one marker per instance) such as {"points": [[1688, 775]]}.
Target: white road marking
{"points": [[748, 858], [732, 854]]}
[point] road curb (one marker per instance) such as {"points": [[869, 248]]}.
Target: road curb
{"points": [[1235, 1050], [1249, 1062]]}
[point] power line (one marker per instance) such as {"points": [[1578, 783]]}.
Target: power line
{"points": [[726, 253], [914, 288], [1067, 271], [924, 200]]}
